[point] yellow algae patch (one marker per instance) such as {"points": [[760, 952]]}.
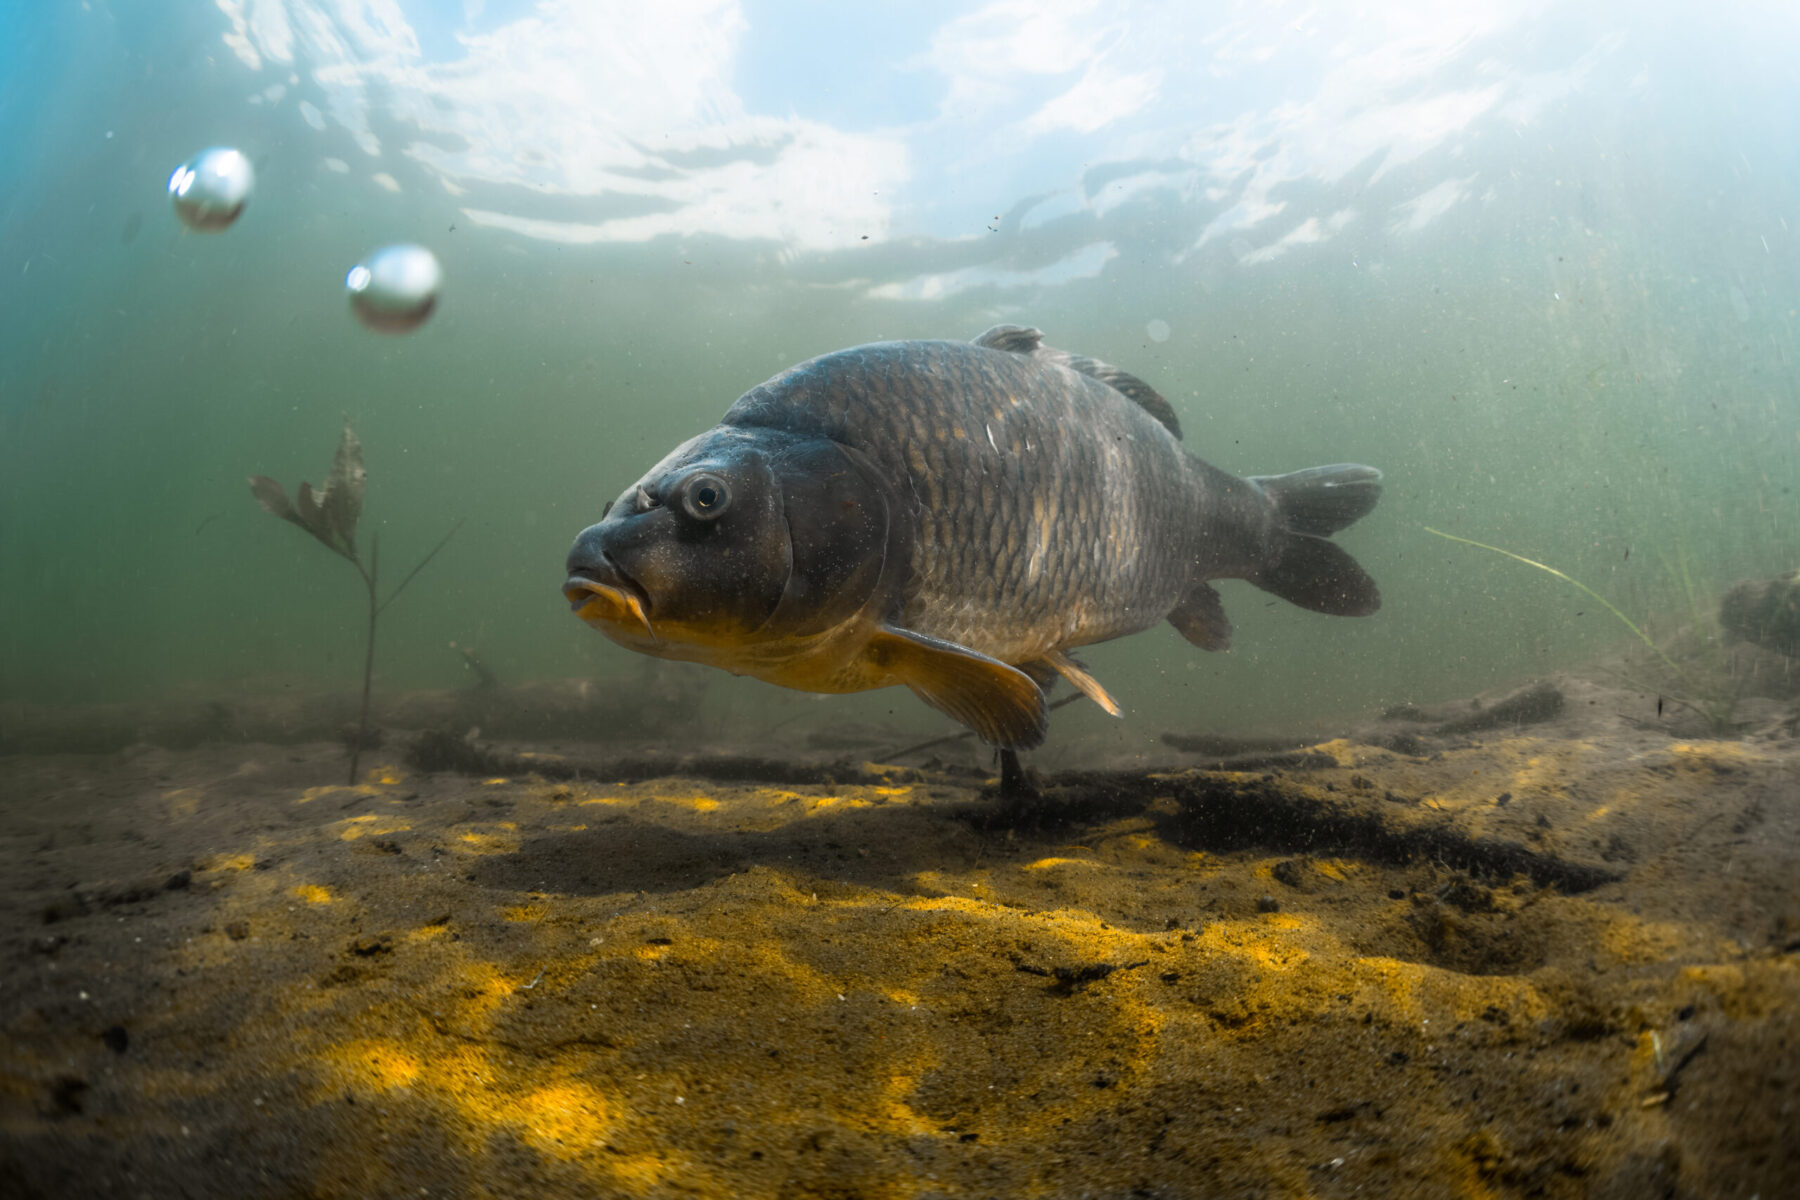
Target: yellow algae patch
{"points": [[1258, 943], [697, 803], [504, 842], [230, 862], [368, 825], [564, 1119], [1044, 864], [374, 1064], [1336, 869], [893, 791], [1341, 749], [496, 780], [1709, 750], [313, 793], [1545, 772], [182, 801], [526, 912], [966, 905], [481, 988], [312, 893], [891, 1107], [603, 800], [1641, 942], [388, 775], [1398, 980]]}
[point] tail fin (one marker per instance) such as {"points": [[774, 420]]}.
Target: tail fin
{"points": [[1322, 500], [1310, 571]]}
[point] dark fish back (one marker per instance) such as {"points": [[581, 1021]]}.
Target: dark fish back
{"points": [[1050, 511]]}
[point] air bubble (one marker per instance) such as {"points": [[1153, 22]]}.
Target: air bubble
{"points": [[210, 189], [395, 289]]}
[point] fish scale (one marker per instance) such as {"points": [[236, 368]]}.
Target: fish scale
{"points": [[980, 494]]}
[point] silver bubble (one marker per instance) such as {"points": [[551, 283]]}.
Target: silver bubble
{"points": [[394, 289], [211, 188]]}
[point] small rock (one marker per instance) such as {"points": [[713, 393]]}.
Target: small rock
{"points": [[1268, 904], [1468, 895], [1290, 872], [368, 947]]}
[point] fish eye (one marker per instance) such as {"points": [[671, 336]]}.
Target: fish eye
{"points": [[704, 497]]}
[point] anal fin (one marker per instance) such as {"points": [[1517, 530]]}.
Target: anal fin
{"points": [[1000, 703], [1200, 618], [1076, 674]]}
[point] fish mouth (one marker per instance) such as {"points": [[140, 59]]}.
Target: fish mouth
{"points": [[607, 596]]}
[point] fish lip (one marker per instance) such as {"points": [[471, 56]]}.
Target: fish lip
{"points": [[578, 589]]}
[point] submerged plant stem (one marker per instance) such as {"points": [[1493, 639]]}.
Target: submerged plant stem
{"points": [[371, 578], [395, 594], [1603, 601], [329, 515], [362, 717]]}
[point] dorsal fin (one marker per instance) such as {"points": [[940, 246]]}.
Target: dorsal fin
{"points": [[1018, 339], [1022, 339]]}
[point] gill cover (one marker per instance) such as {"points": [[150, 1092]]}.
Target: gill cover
{"points": [[846, 546]]}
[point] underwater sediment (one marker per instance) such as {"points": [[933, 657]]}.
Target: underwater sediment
{"points": [[1494, 961]]}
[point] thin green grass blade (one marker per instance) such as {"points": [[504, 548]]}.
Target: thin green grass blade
{"points": [[1602, 600]]}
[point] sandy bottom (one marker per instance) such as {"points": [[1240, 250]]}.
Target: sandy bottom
{"points": [[1553, 957]]}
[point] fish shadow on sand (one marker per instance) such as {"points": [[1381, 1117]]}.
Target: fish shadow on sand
{"points": [[888, 846], [621, 852]]}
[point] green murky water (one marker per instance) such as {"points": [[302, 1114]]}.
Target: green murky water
{"points": [[1539, 264]]}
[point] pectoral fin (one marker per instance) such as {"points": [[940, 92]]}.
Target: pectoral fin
{"points": [[1200, 618], [1000, 703], [1076, 674]]}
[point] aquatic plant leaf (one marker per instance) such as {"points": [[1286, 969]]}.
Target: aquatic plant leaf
{"points": [[329, 513], [311, 507], [341, 501], [309, 514], [274, 499]]}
